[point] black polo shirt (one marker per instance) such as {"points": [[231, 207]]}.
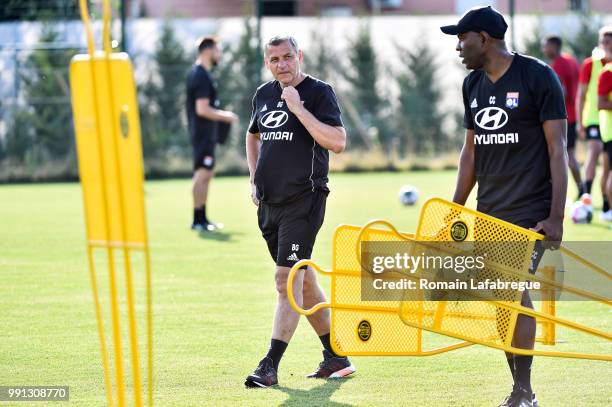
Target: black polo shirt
{"points": [[511, 154], [291, 163], [200, 85]]}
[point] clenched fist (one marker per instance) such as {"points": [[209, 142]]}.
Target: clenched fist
{"points": [[291, 96]]}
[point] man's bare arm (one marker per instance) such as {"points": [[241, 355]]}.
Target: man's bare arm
{"points": [[580, 100], [555, 133], [253, 145], [466, 177], [205, 110], [332, 138]]}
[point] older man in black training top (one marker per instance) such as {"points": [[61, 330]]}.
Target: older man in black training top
{"points": [[295, 121], [514, 149]]}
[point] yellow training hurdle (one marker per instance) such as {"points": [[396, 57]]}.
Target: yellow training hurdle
{"points": [[485, 321]]}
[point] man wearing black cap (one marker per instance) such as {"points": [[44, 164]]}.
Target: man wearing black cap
{"points": [[514, 148]]}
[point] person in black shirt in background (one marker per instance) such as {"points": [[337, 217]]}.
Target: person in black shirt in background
{"points": [[203, 116], [295, 121], [515, 149]]}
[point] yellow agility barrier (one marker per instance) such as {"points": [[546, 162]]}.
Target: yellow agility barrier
{"points": [[366, 328], [448, 222], [486, 321], [389, 336], [107, 127], [548, 303]]}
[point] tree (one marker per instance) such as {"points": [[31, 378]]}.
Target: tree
{"points": [[419, 123], [533, 42], [13, 10], [163, 95], [18, 137], [317, 59], [586, 39], [239, 75], [47, 95], [363, 78]]}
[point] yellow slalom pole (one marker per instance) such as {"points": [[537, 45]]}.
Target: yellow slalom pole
{"points": [[88, 31], [105, 364], [132, 326], [126, 255], [149, 290], [106, 46], [92, 273], [115, 315], [149, 323], [111, 262]]}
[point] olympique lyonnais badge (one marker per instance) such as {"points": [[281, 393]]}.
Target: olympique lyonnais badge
{"points": [[512, 100]]}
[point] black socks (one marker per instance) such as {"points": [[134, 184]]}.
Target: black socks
{"points": [[277, 348], [327, 345], [511, 365], [522, 371], [199, 215]]}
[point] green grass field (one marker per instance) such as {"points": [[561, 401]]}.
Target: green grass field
{"points": [[214, 298]]}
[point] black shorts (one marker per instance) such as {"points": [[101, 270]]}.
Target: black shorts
{"points": [[536, 256], [290, 230], [538, 249], [593, 133], [571, 135], [608, 150], [204, 153]]}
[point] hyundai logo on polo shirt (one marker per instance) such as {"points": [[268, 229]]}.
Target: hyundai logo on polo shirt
{"points": [[491, 118], [274, 119]]}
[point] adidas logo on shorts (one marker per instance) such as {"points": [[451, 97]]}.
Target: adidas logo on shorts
{"points": [[293, 257]]}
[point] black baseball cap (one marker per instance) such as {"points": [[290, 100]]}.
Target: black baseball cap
{"points": [[479, 19]]}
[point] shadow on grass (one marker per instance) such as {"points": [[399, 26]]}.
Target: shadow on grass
{"points": [[317, 396], [218, 235]]}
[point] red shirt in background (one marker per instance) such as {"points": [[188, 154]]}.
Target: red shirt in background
{"points": [[566, 68], [604, 85], [587, 67]]}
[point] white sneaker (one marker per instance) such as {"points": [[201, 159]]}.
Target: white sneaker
{"points": [[606, 216]]}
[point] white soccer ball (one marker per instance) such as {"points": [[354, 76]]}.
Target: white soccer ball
{"points": [[408, 195], [581, 213]]}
